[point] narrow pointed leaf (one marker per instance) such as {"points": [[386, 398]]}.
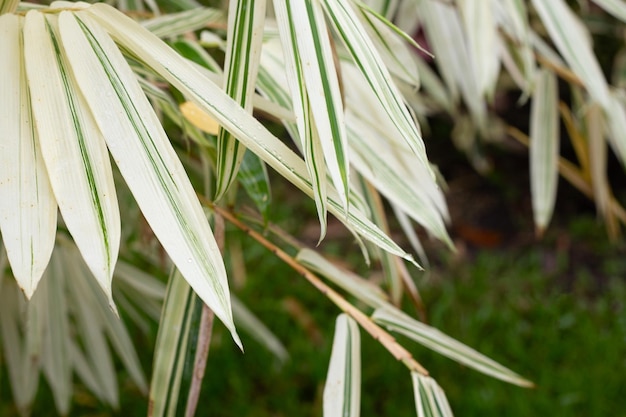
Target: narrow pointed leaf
{"points": [[73, 149], [314, 81], [544, 147], [174, 24], [342, 391], [398, 321], [147, 160], [573, 42], [171, 347], [371, 65], [393, 46], [27, 206], [57, 364], [211, 99], [444, 31], [481, 30], [306, 136], [598, 159], [616, 7], [430, 400], [617, 124], [243, 53]]}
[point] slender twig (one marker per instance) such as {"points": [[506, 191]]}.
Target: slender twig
{"points": [[378, 333], [204, 335]]}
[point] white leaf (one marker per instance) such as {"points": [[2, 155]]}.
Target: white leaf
{"points": [[147, 160], [73, 149], [28, 210]]}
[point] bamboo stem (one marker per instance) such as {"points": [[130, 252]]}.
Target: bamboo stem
{"points": [[378, 333]]}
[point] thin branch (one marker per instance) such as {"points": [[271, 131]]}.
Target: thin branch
{"points": [[378, 333], [204, 335]]}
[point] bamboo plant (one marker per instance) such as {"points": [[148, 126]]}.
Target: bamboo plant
{"points": [[180, 102]]}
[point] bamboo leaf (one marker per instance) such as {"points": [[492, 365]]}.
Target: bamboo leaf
{"points": [[174, 24], [306, 135], [544, 148], [22, 376], [398, 321], [430, 400], [171, 346], [56, 361], [308, 50], [393, 45], [616, 7], [617, 125], [246, 19], [481, 31], [342, 391], [28, 210], [73, 149], [146, 159], [209, 97], [371, 65], [574, 43], [445, 33], [598, 159]]}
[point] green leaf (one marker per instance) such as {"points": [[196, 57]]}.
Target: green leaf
{"points": [[342, 391], [146, 159], [544, 147], [173, 339], [211, 99], [255, 180], [398, 321], [243, 51], [28, 210], [73, 149]]}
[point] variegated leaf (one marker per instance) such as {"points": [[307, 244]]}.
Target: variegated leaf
{"points": [[73, 148], [146, 159], [398, 321], [574, 43], [342, 391], [243, 51], [371, 65], [544, 147], [28, 210], [209, 97]]}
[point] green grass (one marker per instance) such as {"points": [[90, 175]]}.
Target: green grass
{"points": [[553, 312]]}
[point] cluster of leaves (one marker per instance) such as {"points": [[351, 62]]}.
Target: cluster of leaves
{"points": [[81, 82]]}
